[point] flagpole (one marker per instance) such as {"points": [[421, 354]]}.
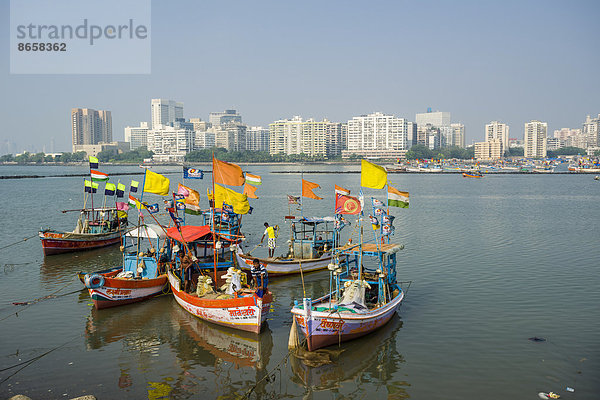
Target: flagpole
{"points": [[212, 214], [137, 253], [301, 195]]}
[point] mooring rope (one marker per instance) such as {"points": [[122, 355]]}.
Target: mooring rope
{"points": [[22, 240]]}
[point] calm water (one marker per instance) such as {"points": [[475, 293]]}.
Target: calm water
{"points": [[493, 262]]}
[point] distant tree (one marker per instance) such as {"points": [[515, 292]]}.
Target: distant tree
{"points": [[566, 151], [419, 151], [514, 151], [597, 153], [7, 158]]}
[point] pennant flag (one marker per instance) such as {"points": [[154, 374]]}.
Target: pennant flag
{"points": [[227, 173], [253, 179], [98, 176], [250, 191], [341, 190], [192, 173], [121, 206], [372, 176], [93, 163], [152, 208], [307, 190], [192, 199], [397, 198], [239, 201], [156, 183], [134, 186], [346, 205], [293, 199], [109, 189], [120, 190]]}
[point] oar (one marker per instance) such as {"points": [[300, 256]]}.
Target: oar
{"points": [[255, 247]]}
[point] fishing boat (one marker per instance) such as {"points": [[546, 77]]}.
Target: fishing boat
{"points": [[142, 274], [472, 175], [310, 244], [98, 227], [224, 299]]}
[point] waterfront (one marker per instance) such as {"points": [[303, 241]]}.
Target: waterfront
{"points": [[493, 262]]}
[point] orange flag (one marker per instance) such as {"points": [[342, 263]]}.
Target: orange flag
{"points": [[250, 190], [307, 190], [227, 173]]}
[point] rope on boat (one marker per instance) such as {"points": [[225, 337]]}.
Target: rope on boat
{"points": [[22, 240]]}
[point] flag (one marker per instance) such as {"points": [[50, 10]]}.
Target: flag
{"points": [[180, 205], [98, 176], [87, 186], [372, 176], [192, 173], [228, 208], [377, 203], [109, 189], [307, 190], [227, 173], [121, 206], [292, 199], [120, 190], [192, 199], [131, 200], [346, 205], [156, 183], [341, 190], [134, 186], [152, 208], [397, 198], [93, 163], [253, 179], [250, 191], [239, 201], [361, 198]]}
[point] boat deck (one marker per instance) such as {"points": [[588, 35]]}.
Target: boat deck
{"points": [[371, 248]]}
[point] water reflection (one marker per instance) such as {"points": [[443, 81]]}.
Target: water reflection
{"points": [[359, 362], [63, 267]]}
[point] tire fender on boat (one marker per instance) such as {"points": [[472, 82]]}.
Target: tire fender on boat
{"points": [[94, 281]]}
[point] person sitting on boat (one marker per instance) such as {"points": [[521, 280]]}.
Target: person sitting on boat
{"points": [[270, 232], [260, 277], [186, 266]]}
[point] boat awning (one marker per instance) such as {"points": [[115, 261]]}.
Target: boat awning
{"points": [[189, 232], [314, 220], [149, 231], [372, 248]]}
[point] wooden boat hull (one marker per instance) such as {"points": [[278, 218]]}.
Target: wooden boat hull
{"points": [[54, 242], [324, 328], [246, 313], [465, 175], [120, 291], [284, 267]]}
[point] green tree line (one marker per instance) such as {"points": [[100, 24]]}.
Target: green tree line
{"points": [[205, 155], [422, 151]]}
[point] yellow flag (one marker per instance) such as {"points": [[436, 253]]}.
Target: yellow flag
{"points": [[156, 183], [238, 201], [372, 176]]}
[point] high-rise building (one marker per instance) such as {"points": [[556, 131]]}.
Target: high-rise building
{"points": [[204, 139], [257, 138], [428, 135], [90, 126], [435, 118], [458, 135], [137, 136], [225, 117], [310, 137], [231, 136], [497, 130], [378, 135], [199, 125], [165, 112], [534, 138], [591, 130], [170, 144]]}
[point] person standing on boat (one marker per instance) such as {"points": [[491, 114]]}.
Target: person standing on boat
{"points": [[270, 232], [260, 277]]}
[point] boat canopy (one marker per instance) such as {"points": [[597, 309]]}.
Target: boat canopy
{"points": [[189, 232], [371, 248], [150, 231], [314, 220]]}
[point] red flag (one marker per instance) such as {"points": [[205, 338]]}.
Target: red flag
{"points": [[346, 205]]}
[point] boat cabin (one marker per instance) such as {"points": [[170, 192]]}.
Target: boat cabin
{"points": [[311, 237], [146, 252]]}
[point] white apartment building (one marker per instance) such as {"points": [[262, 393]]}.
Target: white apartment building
{"points": [[310, 137], [225, 117], [376, 132], [458, 135], [137, 136], [170, 144], [165, 112], [591, 130], [199, 125], [489, 150], [435, 118], [534, 138], [564, 133], [231, 136], [553, 143], [497, 130], [204, 139], [257, 138]]}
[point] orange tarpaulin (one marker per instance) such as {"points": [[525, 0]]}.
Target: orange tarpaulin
{"points": [[189, 232], [307, 190]]}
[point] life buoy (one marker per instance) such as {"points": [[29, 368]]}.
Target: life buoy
{"points": [[94, 281]]}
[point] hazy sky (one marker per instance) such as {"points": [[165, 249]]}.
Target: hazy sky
{"points": [[511, 61]]}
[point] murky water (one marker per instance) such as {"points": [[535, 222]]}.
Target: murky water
{"points": [[493, 262]]}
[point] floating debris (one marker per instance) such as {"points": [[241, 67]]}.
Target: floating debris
{"points": [[537, 339]]}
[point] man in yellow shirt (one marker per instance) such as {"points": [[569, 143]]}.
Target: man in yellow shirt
{"points": [[270, 232]]}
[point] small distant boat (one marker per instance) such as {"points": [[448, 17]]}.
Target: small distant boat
{"points": [[596, 178], [141, 276], [472, 175]]}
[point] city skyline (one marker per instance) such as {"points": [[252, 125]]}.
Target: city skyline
{"points": [[541, 68]]}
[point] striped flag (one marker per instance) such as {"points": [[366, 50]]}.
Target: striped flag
{"points": [[342, 191], [120, 190], [109, 189], [131, 200], [253, 179], [98, 176], [134, 186], [93, 163], [397, 198]]}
